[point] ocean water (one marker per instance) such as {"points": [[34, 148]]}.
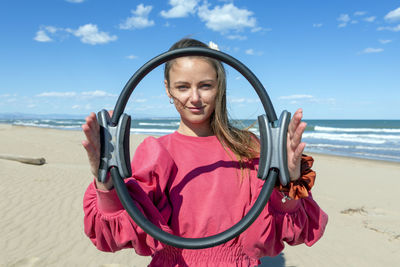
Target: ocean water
{"points": [[371, 139]]}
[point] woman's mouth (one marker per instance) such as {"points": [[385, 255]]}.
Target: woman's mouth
{"points": [[196, 109]]}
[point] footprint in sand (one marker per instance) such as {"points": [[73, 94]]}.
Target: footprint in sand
{"points": [[378, 221], [352, 211]]}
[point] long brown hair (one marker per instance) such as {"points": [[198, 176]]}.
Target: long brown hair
{"points": [[241, 142]]}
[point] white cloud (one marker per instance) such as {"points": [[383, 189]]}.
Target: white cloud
{"points": [[90, 34], [139, 20], [317, 25], [57, 94], [41, 36], [5, 95], [250, 52], [139, 100], [385, 41], [75, 1], [370, 50], [46, 33], [236, 100], [393, 15], [51, 29], [131, 57], [241, 100], [299, 99], [388, 28], [87, 94], [360, 13], [85, 107], [180, 8], [294, 97], [253, 100], [226, 18], [236, 37], [147, 107], [343, 19], [97, 93], [258, 29], [370, 19]]}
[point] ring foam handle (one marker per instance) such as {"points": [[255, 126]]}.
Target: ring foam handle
{"points": [[273, 150], [265, 147], [103, 119], [123, 131], [284, 120], [114, 142]]}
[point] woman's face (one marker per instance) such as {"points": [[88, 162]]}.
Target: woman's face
{"points": [[193, 85]]}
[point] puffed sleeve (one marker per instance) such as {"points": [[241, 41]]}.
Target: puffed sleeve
{"points": [[293, 221], [109, 226]]}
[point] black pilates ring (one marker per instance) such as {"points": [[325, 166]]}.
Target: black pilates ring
{"points": [[114, 134]]}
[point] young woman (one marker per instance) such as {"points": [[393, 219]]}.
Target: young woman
{"points": [[202, 179]]}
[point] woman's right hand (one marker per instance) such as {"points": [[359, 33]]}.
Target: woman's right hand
{"points": [[92, 146]]}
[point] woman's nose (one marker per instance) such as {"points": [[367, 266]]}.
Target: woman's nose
{"points": [[195, 96]]}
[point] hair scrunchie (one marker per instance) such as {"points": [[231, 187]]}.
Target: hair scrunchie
{"points": [[300, 188]]}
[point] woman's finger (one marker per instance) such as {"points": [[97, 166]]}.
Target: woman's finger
{"points": [[298, 152], [94, 160], [92, 130], [90, 150], [298, 134], [91, 121], [91, 136], [294, 122]]}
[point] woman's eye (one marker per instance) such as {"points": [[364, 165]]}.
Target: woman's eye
{"points": [[181, 87], [206, 86]]}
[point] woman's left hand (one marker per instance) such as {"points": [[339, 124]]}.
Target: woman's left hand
{"points": [[295, 147]]}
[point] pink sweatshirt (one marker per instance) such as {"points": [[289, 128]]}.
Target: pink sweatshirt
{"points": [[191, 187]]}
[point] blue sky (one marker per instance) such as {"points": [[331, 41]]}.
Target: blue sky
{"points": [[335, 59]]}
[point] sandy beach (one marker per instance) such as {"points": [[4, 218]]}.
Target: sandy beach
{"points": [[42, 216]]}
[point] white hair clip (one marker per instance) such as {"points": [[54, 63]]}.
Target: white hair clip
{"points": [[213, 45]]}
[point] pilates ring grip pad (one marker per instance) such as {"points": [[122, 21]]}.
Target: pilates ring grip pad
{"points": [[114, 158]]}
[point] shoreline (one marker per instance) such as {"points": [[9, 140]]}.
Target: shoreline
{"points": [[155, 135], [395, 163], [42, 217]]}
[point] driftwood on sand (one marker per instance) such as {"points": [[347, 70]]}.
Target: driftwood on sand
{"points": [[22, 159]]}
